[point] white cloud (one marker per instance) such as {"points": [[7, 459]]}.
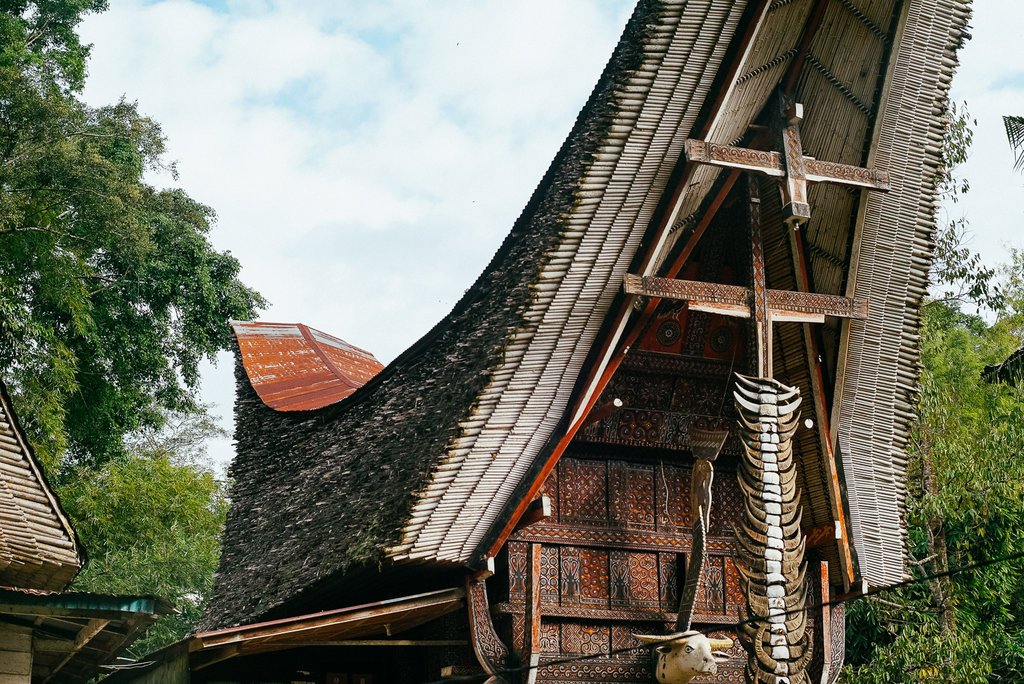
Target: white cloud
{"points": [[367, 159]]}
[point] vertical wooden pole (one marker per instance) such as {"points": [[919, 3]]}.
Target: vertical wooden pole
{"points": [[761, 314], [821, 662], [531, 649]]}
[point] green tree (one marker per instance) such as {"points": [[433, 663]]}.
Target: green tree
{"points": [[966, 505], [110, 292], [151, 521]]}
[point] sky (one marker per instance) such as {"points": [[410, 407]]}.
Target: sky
{"points": [[365, 160]]}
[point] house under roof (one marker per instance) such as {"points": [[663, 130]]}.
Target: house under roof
{"points": [[422, 474]]}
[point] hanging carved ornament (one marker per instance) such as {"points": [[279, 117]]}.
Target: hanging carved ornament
{"points": [[771, 543], [685, 654]]}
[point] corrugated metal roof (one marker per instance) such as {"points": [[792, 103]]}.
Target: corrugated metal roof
{"points": [[38, 549], [294, 367]]}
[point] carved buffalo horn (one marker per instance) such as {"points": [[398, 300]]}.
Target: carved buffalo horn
{"points": [[770, 554]]}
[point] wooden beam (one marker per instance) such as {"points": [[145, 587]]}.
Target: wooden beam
{"points": [[823, 535], [91, 629], [539, 510], [801, 270], [490, 651], [531, 647], [821, 664], [730, 157]]}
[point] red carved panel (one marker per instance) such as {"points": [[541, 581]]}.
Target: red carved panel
{"points": [[640, 426], [734, 600], [643, 580], [549, 574], [517, 569], [594, 577], [585, 638], [569, 575], [631, 490], [548, 637], [668, 571], [583, 491], [711, 592], [726, 503]]}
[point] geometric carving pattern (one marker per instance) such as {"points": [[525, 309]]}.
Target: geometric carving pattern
{"points": [[548, 573], [594, 577], [583, 494], [631, 493], [569, 575], [585, 638], [668, 570]]}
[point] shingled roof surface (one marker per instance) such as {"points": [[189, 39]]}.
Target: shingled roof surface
{"points": [[38, 547], [423, 461]]}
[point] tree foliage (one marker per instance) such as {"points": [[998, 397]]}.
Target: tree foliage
{"points": [[151, 521], [110, 292]]}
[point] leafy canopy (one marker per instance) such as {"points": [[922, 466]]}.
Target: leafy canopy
{"points": [[151, 521], [110, 291]]}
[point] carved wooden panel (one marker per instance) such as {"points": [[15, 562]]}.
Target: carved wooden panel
{"points": [[583, 491], [631, 493], [668, 574], [585, 638], [548, 637], [569, 575], [712, 590], [673, 504], [548, 574], [594, 584]]}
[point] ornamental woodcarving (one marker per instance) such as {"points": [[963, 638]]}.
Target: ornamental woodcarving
{"points": [[771, 544]]}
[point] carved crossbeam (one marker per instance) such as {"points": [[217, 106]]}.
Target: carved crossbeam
{"points": [[789, 164], [737, 301]]}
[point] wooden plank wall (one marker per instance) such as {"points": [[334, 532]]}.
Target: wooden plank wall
{"points": [[15, 655]]}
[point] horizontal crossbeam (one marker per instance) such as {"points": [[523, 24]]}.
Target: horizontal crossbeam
{"points": [[770, 164], [737, 301]]}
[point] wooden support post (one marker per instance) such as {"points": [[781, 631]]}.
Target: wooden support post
{"points": [[821, 661], [491, 652], [531, 646]]}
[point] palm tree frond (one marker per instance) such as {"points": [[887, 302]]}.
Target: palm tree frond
{"points": [[1015, 134]]}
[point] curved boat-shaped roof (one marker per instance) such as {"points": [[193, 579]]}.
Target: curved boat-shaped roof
{"points": [[294, 367], [430, 458]]}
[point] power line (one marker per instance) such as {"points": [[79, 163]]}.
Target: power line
{"points": [[736, 625]]}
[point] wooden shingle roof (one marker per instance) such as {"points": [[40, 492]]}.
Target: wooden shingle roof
{"points": [[38, 547], [428, 460]]}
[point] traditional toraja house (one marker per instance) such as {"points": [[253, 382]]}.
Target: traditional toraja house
{"points": [[48, 634], [693, 357]]}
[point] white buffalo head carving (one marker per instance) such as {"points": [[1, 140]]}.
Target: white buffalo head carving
{"points": [[682, 656]]}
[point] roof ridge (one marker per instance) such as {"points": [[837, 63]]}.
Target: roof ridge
{"points": [[315, 344]]}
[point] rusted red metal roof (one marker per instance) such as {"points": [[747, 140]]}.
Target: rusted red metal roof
{"points": [[294, 367]]}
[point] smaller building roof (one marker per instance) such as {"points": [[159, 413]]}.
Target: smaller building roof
{"points": [[1010, 371], [75, 633], [38, 547], [294, 367]]}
